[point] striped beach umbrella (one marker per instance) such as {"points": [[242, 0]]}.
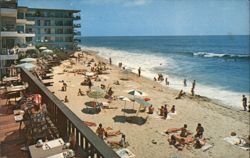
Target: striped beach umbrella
{"points": [[135, 92]]}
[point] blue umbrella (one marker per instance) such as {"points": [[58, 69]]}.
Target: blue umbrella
{"points": [[142, 102], [27, 66]]}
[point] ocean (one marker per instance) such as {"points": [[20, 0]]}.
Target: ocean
{"points": [[219, 64]]}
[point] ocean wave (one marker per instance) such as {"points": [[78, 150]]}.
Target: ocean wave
{"points": [[218, 55], [152, 64]]}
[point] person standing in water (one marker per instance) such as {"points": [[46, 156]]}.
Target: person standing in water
{"points": [[110, 61], [193, 84], [185, 83]]}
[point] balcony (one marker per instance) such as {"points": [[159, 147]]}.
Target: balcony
{"points": [[25, 21], [8, 12], [8, 57], [77, 33], [63, 119], [77, 17], [77, 25]]}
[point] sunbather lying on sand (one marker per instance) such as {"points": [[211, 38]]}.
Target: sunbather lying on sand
{"points": [[178, 143], [120, 143], [111, 133]]}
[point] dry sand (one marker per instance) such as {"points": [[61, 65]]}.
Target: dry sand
{"points": [[217, 120]]}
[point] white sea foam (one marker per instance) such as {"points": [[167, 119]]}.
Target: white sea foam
{"points": [[148, 63], [220, 55]]}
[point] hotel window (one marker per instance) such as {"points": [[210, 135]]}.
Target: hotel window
{"points": [[38, 22], [47, 31], [68, 39], [47, 23], [68, 31], [59, 23], [20, 15], [59, 31], [59, 39]]}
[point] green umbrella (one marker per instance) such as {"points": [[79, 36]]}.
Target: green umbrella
{"points": [[96, 93], [135, 92]]}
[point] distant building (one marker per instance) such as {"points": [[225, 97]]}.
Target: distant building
{"points": [[54, 28], [13, 31]]}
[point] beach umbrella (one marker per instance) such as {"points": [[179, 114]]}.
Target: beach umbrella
{"points": [[126, 99], [147, 99], [141, 102], [96, 93], [135, 92], [27, 66], [47, 51], [42, 48], [28, 60]]}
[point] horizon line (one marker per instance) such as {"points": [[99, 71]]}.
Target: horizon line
{"points": [[155, 35]]}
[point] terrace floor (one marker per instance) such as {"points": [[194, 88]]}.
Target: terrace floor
{"points": [[11, 139]]}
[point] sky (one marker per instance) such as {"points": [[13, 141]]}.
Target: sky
{"points": [[155, 17]]}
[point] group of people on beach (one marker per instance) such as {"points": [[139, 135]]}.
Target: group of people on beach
{"points": [[185, 137], [104, 133], [164, 111]]}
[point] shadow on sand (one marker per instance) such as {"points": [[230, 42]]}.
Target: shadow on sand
{"points": [[130, 119]]}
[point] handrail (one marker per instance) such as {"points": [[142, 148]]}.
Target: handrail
{"points": [[97, 146]]}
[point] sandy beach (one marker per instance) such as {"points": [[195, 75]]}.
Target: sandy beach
{"points": [[145, 138]]}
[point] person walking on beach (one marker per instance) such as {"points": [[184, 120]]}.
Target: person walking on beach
{"points": [[139, 72], [185, 83], [110, 61], [244, 102]]}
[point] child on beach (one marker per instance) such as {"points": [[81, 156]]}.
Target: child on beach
{"points": [[66, 99], [80, 92]]}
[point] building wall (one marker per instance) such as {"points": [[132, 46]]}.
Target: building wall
{"points": [[53, 28]]}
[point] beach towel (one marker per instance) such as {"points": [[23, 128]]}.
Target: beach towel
{"points": [[125, 153], [206, 147], [237, 141], [156, 116]]}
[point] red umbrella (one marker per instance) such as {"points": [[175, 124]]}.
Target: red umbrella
{"points": [[147, 99]]}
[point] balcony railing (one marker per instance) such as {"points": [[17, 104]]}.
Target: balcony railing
{"points": [[68, 123], [8, 28], [77, 25], [78, 33], [77, 17]]}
